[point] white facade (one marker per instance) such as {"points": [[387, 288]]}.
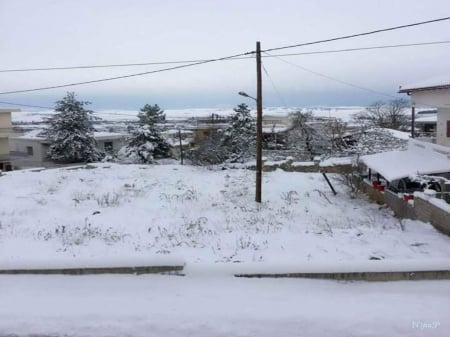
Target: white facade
{"points": [[442, 127], [30, 150], [436, 96]]}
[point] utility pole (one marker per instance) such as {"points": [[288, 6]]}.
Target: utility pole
{"points": [[413, 120], [259, 133]]}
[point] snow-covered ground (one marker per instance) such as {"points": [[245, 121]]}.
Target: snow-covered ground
{"points": [[344, 113], [198, 215], [169, 306]]}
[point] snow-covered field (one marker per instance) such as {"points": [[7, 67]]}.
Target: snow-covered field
{"points": [[344, 113], [169, 306], [198, 215]]}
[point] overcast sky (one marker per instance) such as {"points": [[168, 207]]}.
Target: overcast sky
{"points": [[62, 33]]}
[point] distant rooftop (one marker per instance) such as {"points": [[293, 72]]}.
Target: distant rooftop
{"points": [[441, 82]]}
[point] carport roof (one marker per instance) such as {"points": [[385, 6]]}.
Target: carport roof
{"points": [[399, 164]]}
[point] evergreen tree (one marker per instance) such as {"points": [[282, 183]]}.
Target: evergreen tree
{"points": [[239, 139], [146, 142], [71, 133]]}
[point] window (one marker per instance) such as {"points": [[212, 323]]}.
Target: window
{"points": [[448, 129], [108, 146], [30, 150]]}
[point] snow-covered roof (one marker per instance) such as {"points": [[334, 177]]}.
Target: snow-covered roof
{"points": [[438, 82], [275, 128], [393, 133], [419, 158], [31, 135], [426, 119], [102, 135]]}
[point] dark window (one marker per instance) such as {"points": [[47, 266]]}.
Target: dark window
{"points": [[109, 146], [29, 150]]}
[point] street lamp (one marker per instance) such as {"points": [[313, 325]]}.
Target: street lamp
{"points": [[247, 95]]}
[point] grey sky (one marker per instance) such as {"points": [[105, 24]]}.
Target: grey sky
{"points": [[68, 33]]}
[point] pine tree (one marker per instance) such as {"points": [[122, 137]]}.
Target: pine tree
{"points": [[240, 137], [71, 133], [146, 142]]}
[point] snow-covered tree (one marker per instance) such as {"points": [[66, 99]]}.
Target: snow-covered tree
{"points": [[389, 115], [146, 142], [71, 133], [308, 136], [239, 139], [236, 143]]}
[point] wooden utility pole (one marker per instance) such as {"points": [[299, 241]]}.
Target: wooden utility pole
{"points": [[259, 133], [413, 120]]}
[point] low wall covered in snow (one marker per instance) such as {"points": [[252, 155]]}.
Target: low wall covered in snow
{"points": [[427, 209]]}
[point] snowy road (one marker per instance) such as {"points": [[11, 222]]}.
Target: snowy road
{"points": [[154, 305]]}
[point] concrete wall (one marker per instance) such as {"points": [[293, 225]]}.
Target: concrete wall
{"points": [[5, 120], [421, 209], [441, 128], [401, 208], [428, 212], [4, 147], [20, 146]]}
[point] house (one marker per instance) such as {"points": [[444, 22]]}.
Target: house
{"points": [[433, 93], [5, 131], [30, 149]]}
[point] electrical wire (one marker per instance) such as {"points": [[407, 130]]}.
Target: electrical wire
{"points": [[235, 58], [125, 76], [336, 79], [225, 58], [357, 35], [280, 97], [346, 83], [230, 57]]}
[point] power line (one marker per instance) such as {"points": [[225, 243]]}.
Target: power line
{"points": [[224, 58], [125, 76], [274, 86], [345, 82], [231, 59], [361, 48], [357, 35], [336, 79], [26, 105]]}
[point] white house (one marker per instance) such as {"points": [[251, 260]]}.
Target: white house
{"points": [[433, 93], [30, 150]]}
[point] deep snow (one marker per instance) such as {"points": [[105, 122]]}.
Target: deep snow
{"points": [[109, 212]]}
